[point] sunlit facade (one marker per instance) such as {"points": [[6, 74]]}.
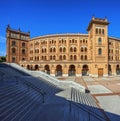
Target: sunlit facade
{"points": [[94, 54]]}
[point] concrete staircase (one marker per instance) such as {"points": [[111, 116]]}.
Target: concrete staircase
{"points": [[35, 96]]}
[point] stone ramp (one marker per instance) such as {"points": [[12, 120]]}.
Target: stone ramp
{"points": [[49, 78]]}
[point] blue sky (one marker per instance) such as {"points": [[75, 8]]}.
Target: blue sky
{"points": [[42, 17]]}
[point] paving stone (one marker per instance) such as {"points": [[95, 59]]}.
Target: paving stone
{"points": [[98, 89]]}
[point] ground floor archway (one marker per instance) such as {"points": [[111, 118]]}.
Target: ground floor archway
{"points": [[117, 70], [58, 70], [28, 67], [47, 69], [109, 70], [36, 67], [85, 70], [72, 70]]}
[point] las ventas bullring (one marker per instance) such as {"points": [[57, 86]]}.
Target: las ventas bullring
{"points": [[71, 54], [61, 77]]}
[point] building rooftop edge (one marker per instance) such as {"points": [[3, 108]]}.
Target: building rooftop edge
{"points": [[15, 30], [110, 37], [66, 34], [98, 21]]}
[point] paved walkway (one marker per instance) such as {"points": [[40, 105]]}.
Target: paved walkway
{"points": [[106, 91]]}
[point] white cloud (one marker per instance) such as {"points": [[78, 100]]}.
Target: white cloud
{"points": [[2, 39]]}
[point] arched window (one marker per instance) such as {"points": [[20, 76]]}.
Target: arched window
{"points": [[96, 30], [50, 49], [81, 49], [42, 50], [80, 41], [81, 57], [71, 57], [112, 58], [37, 58], [54, 57], [23, 44], [71, 49], [31, 51], [102, 31], [13, 50], [83, 41], [85, 57], [23, 51], [99, 31], [51, 57], [42, 58], [54, 49], [13, 43], [85, 49], [64, 49], [64, 57], [60, 57], [75, 57], [75, 49], [45, 58], [72, 40], [60, 49], [99, 40], [99, 51], [45, 50], [52, 41], [37, 51]]}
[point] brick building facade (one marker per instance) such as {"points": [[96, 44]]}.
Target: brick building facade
{"points": [[94, 54]]}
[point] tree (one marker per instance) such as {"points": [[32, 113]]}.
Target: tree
{"points": [[2, 58]]}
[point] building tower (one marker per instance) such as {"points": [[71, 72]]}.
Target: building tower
{"points": [[17, 45], [98, 46]]}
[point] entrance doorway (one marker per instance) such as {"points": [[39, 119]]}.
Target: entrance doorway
{"points": [[58, 70], [100, 72], [109, 70], [85, 70], [36, 67], [71, 71], [47, 69], [28, 67], [117, 70]]}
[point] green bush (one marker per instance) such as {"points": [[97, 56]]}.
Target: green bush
{"points": [[2, 59]]}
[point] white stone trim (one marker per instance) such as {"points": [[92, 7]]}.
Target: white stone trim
{"points": [[105, 75], [94, 75], [78, 74], [52, 74], [65, 75]]}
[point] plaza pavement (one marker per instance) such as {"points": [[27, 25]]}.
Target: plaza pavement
{"points": [[105, 90]]}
